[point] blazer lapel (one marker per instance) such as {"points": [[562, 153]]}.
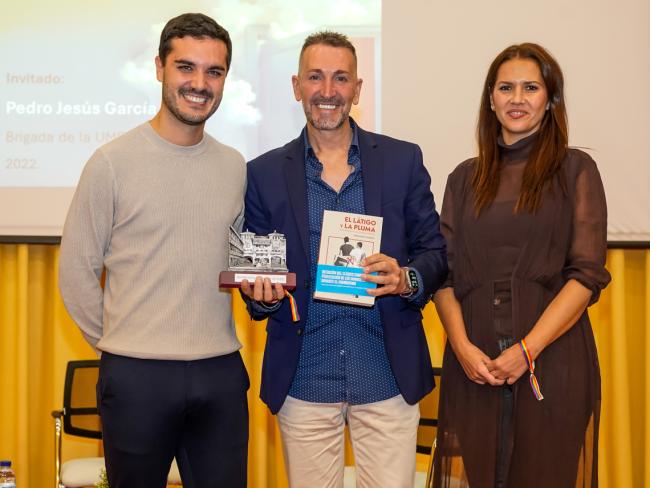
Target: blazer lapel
{"points": [[372, 166], [296, 180]]}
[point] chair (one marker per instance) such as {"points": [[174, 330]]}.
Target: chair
{"points": [[80, 417]]}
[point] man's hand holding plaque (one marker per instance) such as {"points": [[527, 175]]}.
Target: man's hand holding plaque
{"points": [[262, 290]]}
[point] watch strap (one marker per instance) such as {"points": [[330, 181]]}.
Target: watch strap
{"points": [[411, 281]]}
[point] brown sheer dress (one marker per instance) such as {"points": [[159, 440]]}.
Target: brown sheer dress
{"points": [[505, 268]]}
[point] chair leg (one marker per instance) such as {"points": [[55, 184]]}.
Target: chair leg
{"points": [[429, 482], [57, 452]]}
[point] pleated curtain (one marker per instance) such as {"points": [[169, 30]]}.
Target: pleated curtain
{"points": [[38, 338]]}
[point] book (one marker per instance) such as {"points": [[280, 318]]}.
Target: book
{"points": [[346, 239]]}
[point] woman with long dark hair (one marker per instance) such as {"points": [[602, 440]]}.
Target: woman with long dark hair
{"points": [[525, 224]]}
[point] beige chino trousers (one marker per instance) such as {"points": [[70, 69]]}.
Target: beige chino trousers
{"points": [[383, 436]]}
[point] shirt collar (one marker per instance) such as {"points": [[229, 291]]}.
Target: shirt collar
{"points": [[355, 139]]}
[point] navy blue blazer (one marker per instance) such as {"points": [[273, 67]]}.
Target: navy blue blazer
{"points": [[396, 186]]}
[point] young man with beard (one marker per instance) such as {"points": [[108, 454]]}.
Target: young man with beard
{"points": [[153, 208], [338, 364]]}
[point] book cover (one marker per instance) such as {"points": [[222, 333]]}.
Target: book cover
{"points": [[346, 239]]}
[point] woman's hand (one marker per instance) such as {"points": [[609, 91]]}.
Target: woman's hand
{"points": [[510, 364], [473, 361], [475, 364]]}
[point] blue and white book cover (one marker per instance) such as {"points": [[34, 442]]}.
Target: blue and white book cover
{"points": [[346, 239]]}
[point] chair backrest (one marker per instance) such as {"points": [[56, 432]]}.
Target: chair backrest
{"points": [[429, 417], [80, 414]]}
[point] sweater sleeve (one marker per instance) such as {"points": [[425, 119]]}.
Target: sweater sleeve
{"points": [[84, 244]]}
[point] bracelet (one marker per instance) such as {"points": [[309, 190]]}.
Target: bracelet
{"points": [[534, 384], [293, 306]]}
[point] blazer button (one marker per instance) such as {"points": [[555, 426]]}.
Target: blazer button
{"points": [[299, 332]]}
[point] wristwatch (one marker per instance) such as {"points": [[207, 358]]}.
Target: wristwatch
{"points": [[411, 280]]}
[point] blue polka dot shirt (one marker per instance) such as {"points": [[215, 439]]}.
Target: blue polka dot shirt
{"points": [[343, 357]]}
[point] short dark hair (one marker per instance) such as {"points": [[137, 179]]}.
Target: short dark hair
{"points": [[194, 25], [329, 38]]}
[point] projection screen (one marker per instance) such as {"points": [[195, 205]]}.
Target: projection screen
{"points": [[75, 75]]}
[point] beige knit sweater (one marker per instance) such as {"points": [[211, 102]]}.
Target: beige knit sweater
{"points": [[156, 216]]}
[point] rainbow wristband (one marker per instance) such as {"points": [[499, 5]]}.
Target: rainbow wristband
{"points": [[531, 367], [294, 308]]}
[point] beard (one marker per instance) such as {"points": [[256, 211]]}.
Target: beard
{"points": [[170, 100], [331, 122]]}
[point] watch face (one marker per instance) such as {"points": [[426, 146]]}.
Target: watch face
{"points": [[413, 279]]}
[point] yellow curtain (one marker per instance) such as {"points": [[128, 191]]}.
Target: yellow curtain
{"points": [[37, 338]]}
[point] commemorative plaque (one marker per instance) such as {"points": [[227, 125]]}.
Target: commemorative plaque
{"points": [[250, 256]]}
